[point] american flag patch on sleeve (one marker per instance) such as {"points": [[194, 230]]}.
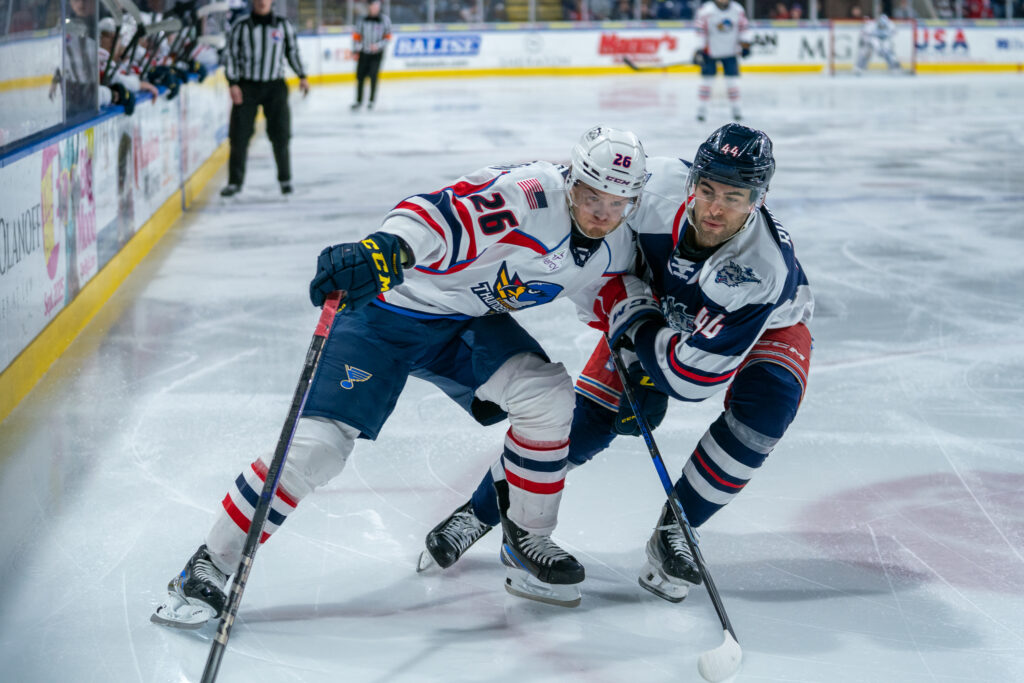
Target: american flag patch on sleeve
{"points": [[531, 187]]}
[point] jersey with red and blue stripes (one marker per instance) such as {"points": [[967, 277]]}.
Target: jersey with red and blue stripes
{"points": [[715, 307], [497, 241]]}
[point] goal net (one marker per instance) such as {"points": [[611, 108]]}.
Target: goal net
{"points": [[849, 44]]}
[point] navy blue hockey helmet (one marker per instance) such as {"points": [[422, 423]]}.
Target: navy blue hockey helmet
{"points": [[735, 155]]}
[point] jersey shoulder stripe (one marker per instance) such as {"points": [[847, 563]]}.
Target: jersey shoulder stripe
{"points": [[523, 240]]}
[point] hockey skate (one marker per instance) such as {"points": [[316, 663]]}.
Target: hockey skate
{"points": [[538, 569], [447, 541], [195, 596], [670, 568]]}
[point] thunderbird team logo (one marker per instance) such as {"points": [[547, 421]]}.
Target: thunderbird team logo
{"points": [[354, 375], [733, 274], [510, 293]]}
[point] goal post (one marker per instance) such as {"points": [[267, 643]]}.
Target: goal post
{"points": [[844, 40]]}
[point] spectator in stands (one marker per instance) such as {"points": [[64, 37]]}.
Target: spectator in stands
{"points": [[600, 10], [978, 9], [796, 12], [497, 12], [904, 10], [779, 11], [623, 11], [667, 9], [574, 10], [469, 12], [856, 12]]}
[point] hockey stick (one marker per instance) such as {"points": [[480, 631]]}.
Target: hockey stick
{"points": [[118, 16], [259, 517], [213, 8], [723, 661], [660, 67], [161, 29]]}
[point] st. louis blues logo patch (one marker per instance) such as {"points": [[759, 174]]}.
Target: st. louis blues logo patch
{"points": [[733, 274], [354, 375]]}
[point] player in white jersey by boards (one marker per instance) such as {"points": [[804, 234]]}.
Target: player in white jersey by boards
{"points": [[734, 306], [723, 35], [429, 295], [876, 36]]}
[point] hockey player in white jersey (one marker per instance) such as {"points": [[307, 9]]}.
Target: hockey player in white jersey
{"points": [[428, 295], [734, 306], [723, 35], [877, 36]]}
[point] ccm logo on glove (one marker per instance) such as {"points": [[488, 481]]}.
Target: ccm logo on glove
{"points": [[381, 263], [362, 270]]}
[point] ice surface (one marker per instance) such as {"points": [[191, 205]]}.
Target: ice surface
{"points": [[881, 542]]}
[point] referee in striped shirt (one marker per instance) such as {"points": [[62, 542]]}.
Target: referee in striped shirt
{"points": [[370, 38], [256, 50]]}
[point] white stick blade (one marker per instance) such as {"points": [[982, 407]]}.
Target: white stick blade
{"points": [[216, 40], [206, 10], [721, 663]]}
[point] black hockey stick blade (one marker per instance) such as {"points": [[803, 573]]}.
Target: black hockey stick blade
{"points": [[653, 67], [331, 307], [629, 62], [723, 661]]}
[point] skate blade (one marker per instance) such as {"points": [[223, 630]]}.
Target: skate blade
{"points": [[523, 584], [176, 612], [425, 562], [655, 580]]}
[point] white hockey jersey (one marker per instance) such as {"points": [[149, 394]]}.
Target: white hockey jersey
{"points": [[720, 31], [497, 241], [716, 307]]}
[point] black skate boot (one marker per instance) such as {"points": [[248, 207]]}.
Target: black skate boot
{"points": [[537, 568], [670, 568], [447, 541], [195, 595]]}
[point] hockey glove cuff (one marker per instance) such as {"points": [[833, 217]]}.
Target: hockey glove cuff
{"points": [[653, 403], [361, 270], [622, 305], [698, 58]]}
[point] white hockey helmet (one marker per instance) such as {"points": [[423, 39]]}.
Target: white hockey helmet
{"points": [[609, 160]]}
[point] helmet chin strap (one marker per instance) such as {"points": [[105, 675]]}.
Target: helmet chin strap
{"points": [[581, 246]]}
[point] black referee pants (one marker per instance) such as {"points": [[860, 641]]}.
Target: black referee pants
{"points": [[368, 66], [273, 97]]}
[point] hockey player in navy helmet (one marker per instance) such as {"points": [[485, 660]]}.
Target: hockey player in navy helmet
{"points": [[734, 306]]}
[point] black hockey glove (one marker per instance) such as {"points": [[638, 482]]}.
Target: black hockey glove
{"points": [[652, 402], [123, 97], [744, 50], [361, 270], [698, 58]]}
